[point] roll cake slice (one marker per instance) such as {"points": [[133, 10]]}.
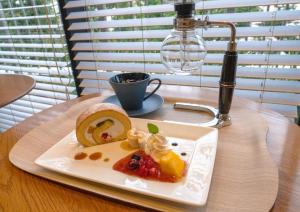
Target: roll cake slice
{"points": [[102, 123]]}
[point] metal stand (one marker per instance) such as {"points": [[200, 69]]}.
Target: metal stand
{"points": [[218, 120], [185, 21]]}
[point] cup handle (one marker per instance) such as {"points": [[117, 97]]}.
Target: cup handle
{"points": [[157, 87]]}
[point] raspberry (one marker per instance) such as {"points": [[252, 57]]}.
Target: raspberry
{"points": [[141, 162], [152, 172], [142, 171], [149, 164]]}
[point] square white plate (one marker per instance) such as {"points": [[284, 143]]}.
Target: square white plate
{"points": [[199, 144]]}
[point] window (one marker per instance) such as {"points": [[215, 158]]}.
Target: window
{"points": [[32, 42], [111, 36]]}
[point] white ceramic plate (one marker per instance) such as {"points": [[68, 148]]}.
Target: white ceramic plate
{"points": [[199, 144]]}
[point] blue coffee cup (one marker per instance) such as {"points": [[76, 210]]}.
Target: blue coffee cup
{"points": [[130, 89]]}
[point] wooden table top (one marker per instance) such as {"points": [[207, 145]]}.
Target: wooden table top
{"points": [[13, 87], [19, 189]]}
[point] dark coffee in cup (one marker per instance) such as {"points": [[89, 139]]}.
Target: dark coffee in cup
{"points": [[130, 89]]}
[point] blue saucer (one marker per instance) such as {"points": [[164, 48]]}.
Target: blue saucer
{"points": [[150, 105]]}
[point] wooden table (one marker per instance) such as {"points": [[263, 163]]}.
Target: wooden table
{"points": [[20, 191], [13, 87]]}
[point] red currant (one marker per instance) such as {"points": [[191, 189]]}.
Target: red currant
{"points": [[152, 172]]}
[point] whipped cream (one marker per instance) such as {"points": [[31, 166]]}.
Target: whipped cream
{"points": [[156, 146], [136, 138]]}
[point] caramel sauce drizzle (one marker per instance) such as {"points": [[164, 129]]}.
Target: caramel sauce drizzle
{"points": [[95, 156], [80, 156]]}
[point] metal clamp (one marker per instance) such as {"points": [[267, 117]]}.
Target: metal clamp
{"points": [[190, 23]]}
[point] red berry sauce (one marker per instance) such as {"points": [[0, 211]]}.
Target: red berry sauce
{"points": [[142, 165]]}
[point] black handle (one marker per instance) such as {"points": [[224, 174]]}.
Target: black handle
{"points": [[157, 87], [227, 81]]}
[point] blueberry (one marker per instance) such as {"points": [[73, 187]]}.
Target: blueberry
{"points": [[174, 144], [133, 164], [135, 157]]}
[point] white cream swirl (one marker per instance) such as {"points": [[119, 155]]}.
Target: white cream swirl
{"points": [[156, 146], [136, 138]]}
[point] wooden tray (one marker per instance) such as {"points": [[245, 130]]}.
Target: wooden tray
{"points": [[244, 179]]}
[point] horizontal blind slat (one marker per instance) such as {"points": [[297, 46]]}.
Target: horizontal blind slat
{"points": [[34, 62], [210, 58], [40, 70], [52, 87], [206, 5], [42, 100], [50, 26], [4, 126], [37, 105], [32, 45], [27, 7], [51, 94], [286, 45], [10, 117], [27, 17], [33, 54], [33, 36], [50, 79], [211, 32], [8, 122], [15, 113], [206, 70], [22, 109], [81, 3], [160, 21]]}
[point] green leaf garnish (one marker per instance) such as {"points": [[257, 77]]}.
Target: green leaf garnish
{"points": [[152, 128]]}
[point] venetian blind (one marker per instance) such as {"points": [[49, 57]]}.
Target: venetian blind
{"points": [[110, 36], [32, 43]]}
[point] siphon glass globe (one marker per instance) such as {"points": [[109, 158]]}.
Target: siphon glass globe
{"points": [[183, 52]]}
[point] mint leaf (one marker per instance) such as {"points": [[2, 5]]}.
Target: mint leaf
{"points": [[152, 128]]}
